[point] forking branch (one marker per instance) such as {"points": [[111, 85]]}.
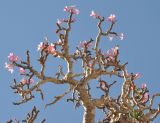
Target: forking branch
{"points": [[133, 104]]}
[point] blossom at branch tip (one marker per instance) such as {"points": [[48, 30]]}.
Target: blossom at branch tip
{"points": [[48, 48], [31, 81], [9, 67], [59, 21], [40, 46], [85, 44], [25, 81], [115, 50], [71, 9], [12, 57], [51, 49], [121, 36], [137, 76], [145, 97], [21, 70], [111, 36], [111, 18], [144, 85], [94, 15], [112, 53], [43, 44], [59, 41]]}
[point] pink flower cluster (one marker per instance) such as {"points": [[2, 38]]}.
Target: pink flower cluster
{"points": [[41, 46], [85, 44], [144, 85], [145, 98], [112, 18], [71, 9], [50, 48], [111, 36], [12, 58], [25, 81], [146, 95], [94, 15], [59, 42], [137, 76], [21, 70], [112, 53], [120, 35], [9, 67]]}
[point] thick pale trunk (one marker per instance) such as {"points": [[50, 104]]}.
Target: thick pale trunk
{"points": [[89, 114]]}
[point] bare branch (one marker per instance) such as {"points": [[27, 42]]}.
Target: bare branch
{"points": [[57, 98]]}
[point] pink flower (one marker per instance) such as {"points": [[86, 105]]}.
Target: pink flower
{"points": [[71, 9], [121, 36], [144, 85], [115, 50], [40, 46], [85, 43], [59, 41], [94, 15], [51, 49], [59, 21], [137, 76], [111, 36], [21, 70], [9, 67], [31, 81], [73, 20], [112, 53], [12, 57], [24, 81], [112, 18], [145, 98]]}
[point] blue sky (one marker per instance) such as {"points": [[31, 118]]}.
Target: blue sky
{"points": [[25, 23]]}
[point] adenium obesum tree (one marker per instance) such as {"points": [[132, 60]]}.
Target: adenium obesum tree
{"points": [[133, 105]]}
